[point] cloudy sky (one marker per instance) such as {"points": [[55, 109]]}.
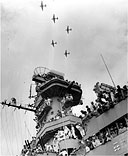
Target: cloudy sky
{"points": [[98, 27]]}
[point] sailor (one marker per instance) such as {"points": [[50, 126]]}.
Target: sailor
{"points": [[48, 147], [81, 130], [63, 153], [33, 143], [69, 97], [67, 132], [73, 132], [112, 95], [63, 100], [97, 88], [60, 135], [87, 147], [13, 101], [55, 143], [49, 101], [77, 133], [108, 137], [97, 141], [122, 128]]}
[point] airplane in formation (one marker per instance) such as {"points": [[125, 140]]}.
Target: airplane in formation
{"points": [[68, 29], [42, 5], [53, 43], [54, 18], [66, 53]]}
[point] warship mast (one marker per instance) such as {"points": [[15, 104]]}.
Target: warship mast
{"points": [[57, 128]]}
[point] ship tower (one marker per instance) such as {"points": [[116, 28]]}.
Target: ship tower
{"points": [[58, 130]]}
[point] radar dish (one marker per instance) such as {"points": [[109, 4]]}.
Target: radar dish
{"points": [[41, 71]]}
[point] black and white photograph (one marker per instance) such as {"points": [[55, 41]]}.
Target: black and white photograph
{"points": [[64, 78]]}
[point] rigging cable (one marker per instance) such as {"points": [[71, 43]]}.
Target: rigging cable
{"points": [[7, 129], [26, 134], [17, 120], [15, 131], [21, 127], [4, 135], [27, 129]]}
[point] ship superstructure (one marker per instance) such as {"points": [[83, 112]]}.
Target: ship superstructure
{"points": [[100, 130], [57, 127]]}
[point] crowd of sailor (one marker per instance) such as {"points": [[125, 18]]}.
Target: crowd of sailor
{"points": [[107, 98], [107, 133], [65, 132], [60, 113], [77, 132]]}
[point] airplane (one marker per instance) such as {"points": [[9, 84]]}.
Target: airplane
{"points": [[53, 43], [66, 53], [54, 18], [42, 6], [68, 29]]}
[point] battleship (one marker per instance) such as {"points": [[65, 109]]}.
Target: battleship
{"points": [[101, 129]]}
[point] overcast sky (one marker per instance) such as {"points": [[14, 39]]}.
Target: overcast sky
{"points": [[98, 27]]}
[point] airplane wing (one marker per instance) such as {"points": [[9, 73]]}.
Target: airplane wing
{"points": [[41, 5]]}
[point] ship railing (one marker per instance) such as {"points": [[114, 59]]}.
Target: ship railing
{"points": [[107, 134], [64, 119]]}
